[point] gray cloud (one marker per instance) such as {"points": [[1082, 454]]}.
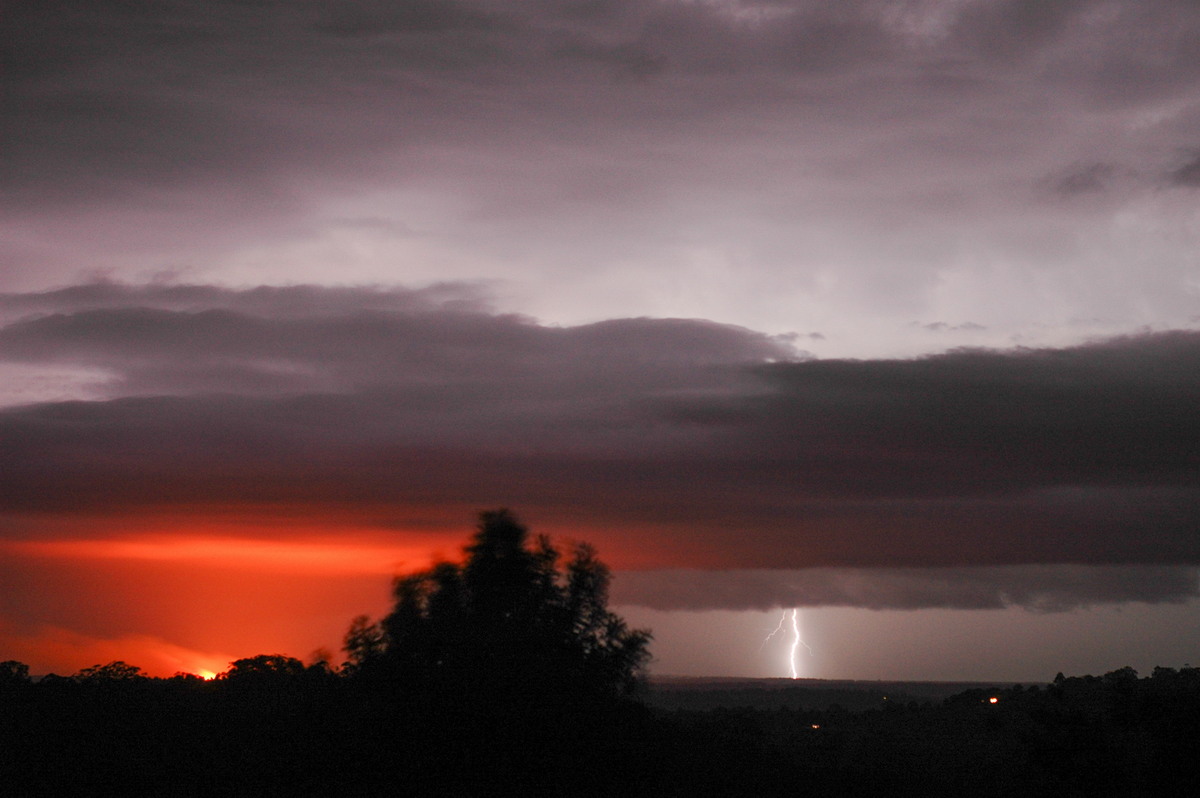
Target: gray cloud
{"points": [[110, 98], [196, 339]]}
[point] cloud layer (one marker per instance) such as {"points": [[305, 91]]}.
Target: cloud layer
{"points": [[1041, 588], [670, 443]]}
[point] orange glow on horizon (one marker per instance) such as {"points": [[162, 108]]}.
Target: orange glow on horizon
{"points": [[52, 649], [306, 556], [167, 603], [188, 592]]}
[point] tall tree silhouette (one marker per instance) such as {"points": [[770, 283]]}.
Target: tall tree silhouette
{"points": [[507, 617]]}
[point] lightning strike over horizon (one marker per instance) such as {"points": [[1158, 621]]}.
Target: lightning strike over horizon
{"points": [[797, 640]]}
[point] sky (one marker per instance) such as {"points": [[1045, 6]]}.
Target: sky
{"points": [[887, 312]]}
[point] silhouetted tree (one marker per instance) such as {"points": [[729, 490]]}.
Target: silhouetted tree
{"points": [[363, 642], [13, 673], [263, 669], [509, 616], [115, 671]]}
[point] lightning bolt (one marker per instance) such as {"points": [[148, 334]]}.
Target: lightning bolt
{"points": [[797, 640], [778, 629]]}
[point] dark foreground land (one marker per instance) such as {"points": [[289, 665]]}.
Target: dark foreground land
{"points": [[314, 732], [708, 692]]}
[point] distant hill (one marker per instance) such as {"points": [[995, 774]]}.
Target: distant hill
{"points": [[704, 693]]}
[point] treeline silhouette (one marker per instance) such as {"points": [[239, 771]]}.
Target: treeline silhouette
{"points": [[503, 673], [506, 674]]}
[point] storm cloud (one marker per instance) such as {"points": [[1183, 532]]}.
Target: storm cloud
{"points": [[875, 303], [673, 443]]}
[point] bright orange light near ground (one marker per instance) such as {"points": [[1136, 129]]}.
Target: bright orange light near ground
{"points": [[993, 700], [50, 649]]}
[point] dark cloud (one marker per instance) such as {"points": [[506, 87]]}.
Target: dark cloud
{"points": [[1113, 412], [670, 442], [1085, 179], [1187, 175]]}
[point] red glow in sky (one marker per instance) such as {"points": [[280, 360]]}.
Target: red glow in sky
{"points": [[193, 602]]}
